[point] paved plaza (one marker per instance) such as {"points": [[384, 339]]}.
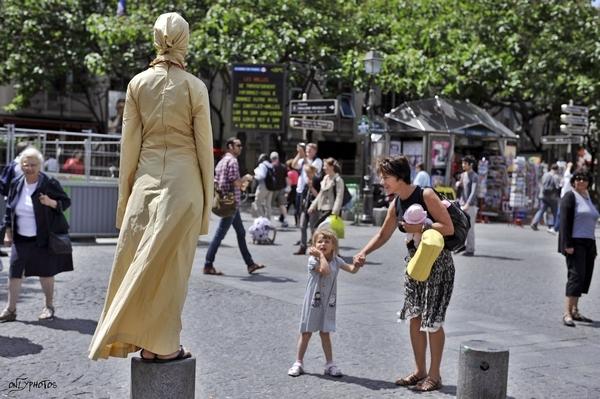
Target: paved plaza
{"points": [[243, 329]]}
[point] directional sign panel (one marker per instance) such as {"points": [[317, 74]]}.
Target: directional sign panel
{"points": [[574, 119], [312, 124], [574, 109], [313, 107], [570, 129], [562, 140]]}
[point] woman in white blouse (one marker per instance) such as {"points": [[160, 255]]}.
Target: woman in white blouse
{"points": [[34, 210]]}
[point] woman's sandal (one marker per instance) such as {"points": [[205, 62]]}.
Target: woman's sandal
{"points": [[409, 380], [427, 385], [182, 354], [255, 267], [212, 271], [147, 359]]}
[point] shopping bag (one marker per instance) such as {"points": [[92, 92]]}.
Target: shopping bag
{"points": [[430, 247], [335, 224]]}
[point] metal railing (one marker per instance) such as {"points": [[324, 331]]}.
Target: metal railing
{"points": [[93, 156]]}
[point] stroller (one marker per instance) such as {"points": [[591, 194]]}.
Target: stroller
{"points": [[262, 231]]}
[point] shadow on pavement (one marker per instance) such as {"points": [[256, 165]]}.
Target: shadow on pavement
{"points": [[82, 326], [375, 385], [594, 324], [15, 347], [262, 277], [494, 257]]}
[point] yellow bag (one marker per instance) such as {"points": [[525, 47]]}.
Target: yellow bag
{"points": [[419, 266], [335, 224]]}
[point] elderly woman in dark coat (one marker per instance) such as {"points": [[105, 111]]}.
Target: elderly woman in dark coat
{"points": [[34, 210], [577, 241]]}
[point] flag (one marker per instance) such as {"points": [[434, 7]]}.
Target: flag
{"points": [[121, 8]]}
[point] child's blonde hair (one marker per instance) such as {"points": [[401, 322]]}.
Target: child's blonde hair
{"points": [[328, 234]]}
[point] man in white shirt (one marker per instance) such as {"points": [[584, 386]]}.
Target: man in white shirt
{"points": [[263, 196], [306, 154]]}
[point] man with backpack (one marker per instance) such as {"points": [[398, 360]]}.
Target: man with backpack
{"points": [[264, 176], [549, 195], [468, 201], [280, 186]]}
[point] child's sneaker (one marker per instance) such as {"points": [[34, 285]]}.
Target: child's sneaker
{"points": [[296, 370], [332, 370]]}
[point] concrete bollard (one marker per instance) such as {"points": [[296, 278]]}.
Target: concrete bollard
{"points": [[482, 371], [173, 380], [379, 216]]}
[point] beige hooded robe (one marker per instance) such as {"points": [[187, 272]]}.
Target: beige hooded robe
{"points": [[165, 197]]}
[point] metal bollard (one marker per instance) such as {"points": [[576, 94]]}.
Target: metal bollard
{"points": [[173, 380], [482, 371]]}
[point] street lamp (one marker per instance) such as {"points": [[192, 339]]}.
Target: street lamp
{"points": [[373, 61]]}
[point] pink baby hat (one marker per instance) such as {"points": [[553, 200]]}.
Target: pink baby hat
{"points": [[415, 214]]}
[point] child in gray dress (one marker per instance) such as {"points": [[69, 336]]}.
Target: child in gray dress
{"points": [[318, 309]]}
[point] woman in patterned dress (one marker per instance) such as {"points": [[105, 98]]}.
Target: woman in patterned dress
{"points": [[425, 302]]}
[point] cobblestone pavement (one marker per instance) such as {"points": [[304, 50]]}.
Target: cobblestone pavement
{"points": [[243, 329]]}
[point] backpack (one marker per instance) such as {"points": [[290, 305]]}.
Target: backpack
{"points": [[270, 180], [261, 231], [460, 220], [347, 196], [280, 173]]}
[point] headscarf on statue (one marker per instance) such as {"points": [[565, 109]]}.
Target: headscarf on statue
{"points": [[171, 37]]}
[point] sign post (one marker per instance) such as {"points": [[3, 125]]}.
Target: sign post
{"points": [[575, 121], [321, 107]]}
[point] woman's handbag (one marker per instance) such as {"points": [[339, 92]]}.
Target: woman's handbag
{"points": [[223, 204], [60, 243], [430, 247]]}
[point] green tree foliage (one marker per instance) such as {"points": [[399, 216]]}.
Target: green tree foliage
{"points": [[530, 56]]}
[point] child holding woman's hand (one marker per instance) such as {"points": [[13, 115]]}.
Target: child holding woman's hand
{"points": [[318, 310]]}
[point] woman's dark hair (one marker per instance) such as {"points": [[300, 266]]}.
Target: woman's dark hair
{"points": [[398, 166], [579, 174], [469, 159]]}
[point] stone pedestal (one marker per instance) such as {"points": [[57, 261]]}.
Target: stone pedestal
{"points": [[173, 380], [482, 371], [379, 216]]}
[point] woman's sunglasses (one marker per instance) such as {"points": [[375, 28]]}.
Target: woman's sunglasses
{"points": [[581, 178]]}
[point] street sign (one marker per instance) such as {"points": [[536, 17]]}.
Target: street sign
{"points": [[574, 119], [562, 139], [571, 129], [574, 109], [312, 124], [378, 126], [313, 107]]}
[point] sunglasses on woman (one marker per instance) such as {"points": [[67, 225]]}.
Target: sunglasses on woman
{"points": [[581, 178]]}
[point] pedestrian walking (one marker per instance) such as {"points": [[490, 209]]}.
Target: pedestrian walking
{"points": [[281, 187], [422, 178], [305, 155], [11, 172], [425, 302], [577, 242], [34, 211], [331, 194], [468, 201], [292, 181], [320, 299], [227, 179], [263, 196], [309, 193], [549, 195], [165, 200], [565, 187]]}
